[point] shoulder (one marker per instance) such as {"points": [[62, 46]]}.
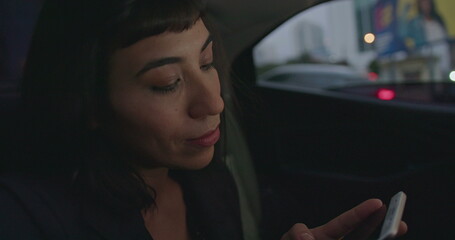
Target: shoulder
{"points": [[15, 220], [27, 188], [31, 207]]}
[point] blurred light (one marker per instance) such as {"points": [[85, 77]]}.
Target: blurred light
{"points": [[385, 94], [369, 38], [372, 76], [452, 76]]}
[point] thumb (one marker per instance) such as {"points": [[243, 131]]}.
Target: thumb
{"points": [[298, 232]]}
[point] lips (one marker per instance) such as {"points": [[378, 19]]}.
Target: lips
{"points": [[207, 140]]}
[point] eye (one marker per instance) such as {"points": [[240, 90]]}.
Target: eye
{"points": [[207, 66], [166, 89]]}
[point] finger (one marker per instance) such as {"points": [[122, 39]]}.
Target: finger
{"points": [[367, 227], [298, 232], [402, 229], [348, 221]]}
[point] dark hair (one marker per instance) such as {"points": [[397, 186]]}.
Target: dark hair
{"points": [[433, 13], [64, 86]]}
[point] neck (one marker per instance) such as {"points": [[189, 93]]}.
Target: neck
{"points": [[156, 178]]}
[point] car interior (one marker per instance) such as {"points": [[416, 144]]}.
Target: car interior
{"points": [[307, 155]]}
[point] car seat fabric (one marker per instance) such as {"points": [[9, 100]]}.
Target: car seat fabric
{"points": [[240, 164]]}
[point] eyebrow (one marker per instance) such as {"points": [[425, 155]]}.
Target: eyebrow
{"points": [[169, 60], [207, 42]]}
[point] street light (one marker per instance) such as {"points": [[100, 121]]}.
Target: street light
{"points": [[452, 76], [369, 38]]}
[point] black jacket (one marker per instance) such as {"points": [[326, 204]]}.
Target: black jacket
{"points": [[46, 207]]}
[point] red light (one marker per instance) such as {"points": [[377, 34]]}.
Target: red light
{"points": [[386, 94], [372, 76]]}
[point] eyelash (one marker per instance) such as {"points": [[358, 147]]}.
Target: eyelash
{"points": [[167, 89], [172, 87], [207, 67]]}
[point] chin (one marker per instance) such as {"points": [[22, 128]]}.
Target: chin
{"points": [[198, 161]]}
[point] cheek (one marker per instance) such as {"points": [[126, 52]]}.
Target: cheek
{"points": [[142, 118]]}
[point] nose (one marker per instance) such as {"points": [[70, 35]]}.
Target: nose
{"points": [[205, 96]]}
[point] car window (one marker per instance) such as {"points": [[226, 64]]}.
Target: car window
{"points": [[351, 45]]}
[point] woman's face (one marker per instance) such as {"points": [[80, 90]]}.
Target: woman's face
{"points": [[165, 98], [425, 5]]}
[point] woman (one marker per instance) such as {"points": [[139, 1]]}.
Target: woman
{"points": [[433, 23], [123, 106], [436, 36]]}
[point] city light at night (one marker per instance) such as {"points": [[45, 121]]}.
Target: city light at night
{"points": [[369, 38]]}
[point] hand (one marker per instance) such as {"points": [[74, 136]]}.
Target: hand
{"points": [[357, 223]]}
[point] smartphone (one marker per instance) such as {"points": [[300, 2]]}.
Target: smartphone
{"points": [[392, 219]]}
